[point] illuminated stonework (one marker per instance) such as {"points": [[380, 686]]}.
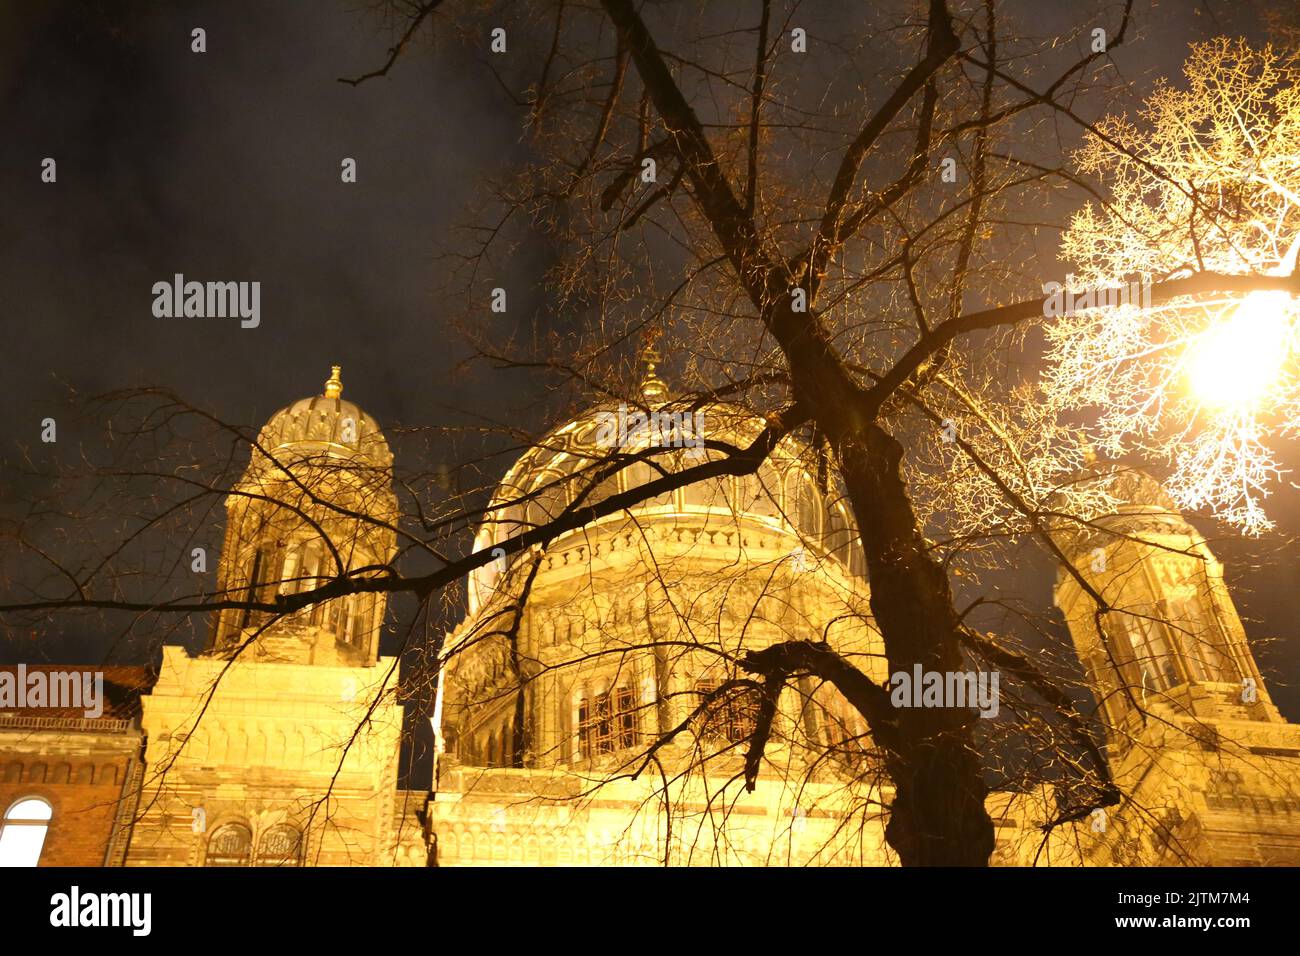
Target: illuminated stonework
{"points": [[1211, 773], [580, 652], [279, 746], [626, 620], [626, 626]]}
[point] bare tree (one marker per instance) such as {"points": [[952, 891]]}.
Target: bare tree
{"points": [[831, 251], [818, 241]]}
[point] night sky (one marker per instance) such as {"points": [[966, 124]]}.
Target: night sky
{"points": [[226, 166]]}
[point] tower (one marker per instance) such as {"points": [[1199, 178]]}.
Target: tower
{"points": [[1209, 769], [315, 506], [278, 745]]}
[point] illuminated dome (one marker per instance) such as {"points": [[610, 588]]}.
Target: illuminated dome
{"points": [[634, 619], [326, 424], [320, 508], [1133, 489], [1113, 499], [571, 467]]}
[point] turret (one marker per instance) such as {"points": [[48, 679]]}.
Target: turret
{"points": [[314, 506], [1168, 639]]}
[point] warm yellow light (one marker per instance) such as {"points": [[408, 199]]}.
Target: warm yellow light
{"points": [[1235, 362]]}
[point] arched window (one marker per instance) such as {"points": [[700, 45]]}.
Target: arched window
{"points": [[358, 622], [842, 725], [281, 846], [591, 490], [507, 745], [548, 501], [761, 492], [22, 834], [607, 722], [640, 473], [804, 506], [309, 574], [731, 717], [1192, 629], [1150, 663], [230, 845], [713, 493], [290, 580], [258, 574]]}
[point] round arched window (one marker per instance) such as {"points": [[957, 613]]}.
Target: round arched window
{"points": [[22, 834], [280, 846], [230, 845]]}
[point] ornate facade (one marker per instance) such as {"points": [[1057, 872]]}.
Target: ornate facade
{"points": [[576, 657], [1209, 768], [279, 744]]}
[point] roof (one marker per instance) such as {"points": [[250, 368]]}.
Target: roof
{"points": [[123, 686], [326, 424], [564, 468]]}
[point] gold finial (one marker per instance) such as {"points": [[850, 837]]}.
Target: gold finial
{"points": [[334, 387], [652, 386]]}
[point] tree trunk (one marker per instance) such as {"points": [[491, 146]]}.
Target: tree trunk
{"points": [[938, 817]]}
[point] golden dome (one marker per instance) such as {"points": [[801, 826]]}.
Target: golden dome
{"points": [[1128, 501], [563, 471], [326, 424]]}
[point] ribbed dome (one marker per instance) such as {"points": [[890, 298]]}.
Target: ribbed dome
{"points": [[1132, 502], [566, 463], [1136, 487], [326, 424], [1129, 487]]}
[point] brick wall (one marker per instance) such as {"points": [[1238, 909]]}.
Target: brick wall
{"points": [[81, 778]]}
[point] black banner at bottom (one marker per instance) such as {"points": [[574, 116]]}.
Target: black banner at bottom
{"points": [[397, 908]]}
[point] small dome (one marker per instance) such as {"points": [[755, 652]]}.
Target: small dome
{"points": [[326, 424], [1130, 487], [1131, 503]]}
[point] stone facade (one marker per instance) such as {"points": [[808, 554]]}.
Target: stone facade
{"points": [[279, 744], [1209, 769], [277, 752], [577, 657]]}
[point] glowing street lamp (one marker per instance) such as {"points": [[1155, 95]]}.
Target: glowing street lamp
{"points": [[1236, 361]]}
